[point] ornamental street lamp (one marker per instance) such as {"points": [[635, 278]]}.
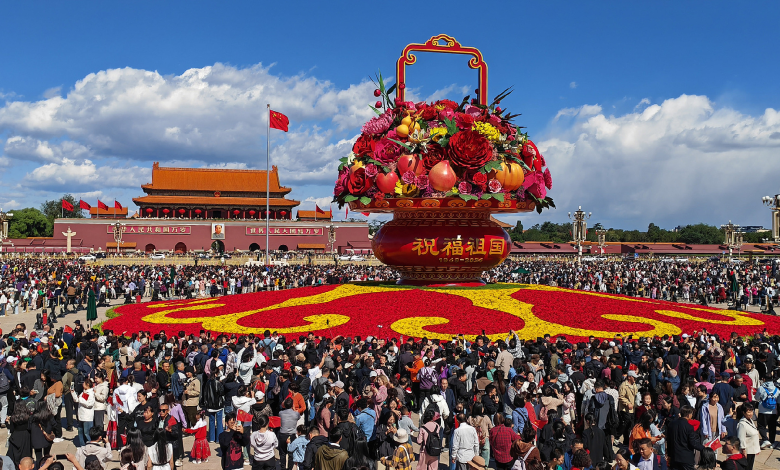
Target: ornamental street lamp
{"points": [[733, 237], [602, 239], [332, 236], [119, 229], [773, 203], [4, 216], [580, 229]]}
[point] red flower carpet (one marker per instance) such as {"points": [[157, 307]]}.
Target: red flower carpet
{"points": [[386, 310]]}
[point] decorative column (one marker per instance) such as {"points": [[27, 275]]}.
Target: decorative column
{"points": [[580, 229]]}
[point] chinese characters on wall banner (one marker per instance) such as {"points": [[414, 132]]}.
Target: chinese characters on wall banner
{"points": [[155, 229], [285, 231]]}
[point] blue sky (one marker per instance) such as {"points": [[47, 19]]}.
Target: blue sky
{"points": [[653, 112]]}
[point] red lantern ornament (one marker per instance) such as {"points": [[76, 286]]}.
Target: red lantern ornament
{"points": [[198, 211], [149, 210], [181, 211], [283, 213], [252, 212], [165, 211], [236, 212]]}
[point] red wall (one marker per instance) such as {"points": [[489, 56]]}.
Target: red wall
{"points": [[92, 233]]}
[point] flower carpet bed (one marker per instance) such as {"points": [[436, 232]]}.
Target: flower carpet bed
{"points": [[391, 311]]}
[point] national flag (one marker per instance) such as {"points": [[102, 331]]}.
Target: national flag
{"points": [[366, 213], [102, 205], [347, 213], [117, 205], [243, 416], [84, 205], [279, 121], [318, 210], [85, 396], [67, 206]]}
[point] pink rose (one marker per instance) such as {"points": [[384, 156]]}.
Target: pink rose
{"points": [[371, 170], [464, 187], [446, 114], [386, 151], [494, 186], [422, 182], [473, 111], [495, 120], [547, 178], [408, 177]]}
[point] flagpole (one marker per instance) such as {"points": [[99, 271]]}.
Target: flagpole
{"points": [[267, 185]]}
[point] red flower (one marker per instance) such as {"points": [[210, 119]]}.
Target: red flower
{"points": [[341, 182], [464, 121], [364, 146], [480, 179], [469, 149], [358, 182], [494, 185], [547, 178], [447, 104], [428, 113], [435, 154], [386, 151]]}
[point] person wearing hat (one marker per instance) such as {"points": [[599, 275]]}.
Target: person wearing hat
{"points": [[403, 456], [627, 394]]}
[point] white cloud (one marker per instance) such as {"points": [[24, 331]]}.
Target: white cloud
{"points": [[323, 202], [84, 176], [682, 161], [211, 113], [573, 85], [28, 148], [643, 102]]}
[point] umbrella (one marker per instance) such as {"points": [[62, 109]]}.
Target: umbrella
{"points": [[91, 306], [521, 271]]}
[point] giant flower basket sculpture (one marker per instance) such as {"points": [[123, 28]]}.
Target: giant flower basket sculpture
{"points": [[442, 168]]}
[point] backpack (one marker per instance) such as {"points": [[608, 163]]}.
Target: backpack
{"points": [[520, 463], [5, 383], [351, 436], [433, 443], [770, 402], [213, 395], [613, 421], [78, 382], [320, 389], [432, 406]]}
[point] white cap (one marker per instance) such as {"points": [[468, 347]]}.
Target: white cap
{"points": [[259, 395], [338, 384], [611, 344], [372, 374], [685, 335]]}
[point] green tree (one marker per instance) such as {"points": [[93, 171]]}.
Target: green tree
{"points": [[516, 234], [29, 222], [701, 234], [53, 209]]}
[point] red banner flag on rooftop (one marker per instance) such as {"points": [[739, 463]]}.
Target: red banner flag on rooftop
{"points": [[84, 205], [67, 206]]}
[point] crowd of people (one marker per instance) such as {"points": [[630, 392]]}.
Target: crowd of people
{"points": [[305, 402], [705, 281]]}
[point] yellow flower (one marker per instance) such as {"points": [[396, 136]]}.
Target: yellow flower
{"points": [[406, 190], [437, 133], [488, 130]]}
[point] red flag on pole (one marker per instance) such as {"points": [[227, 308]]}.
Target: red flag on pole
{"points": [[319, 211], [117, 205], [102, 205], [84, 205], [347, 213], [67, 206], [279, 121]]}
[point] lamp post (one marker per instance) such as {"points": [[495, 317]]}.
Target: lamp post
{"points": [[580, 229], [773, 203], [602, 239], [4, 216], [332, 236], [119, 229]]}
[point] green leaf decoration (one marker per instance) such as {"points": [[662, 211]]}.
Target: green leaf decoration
{"points": [[408, 148], [365, 200], [350, 198], [498, 196]]}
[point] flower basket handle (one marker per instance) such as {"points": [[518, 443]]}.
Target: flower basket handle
{"points": [[450, 46]]}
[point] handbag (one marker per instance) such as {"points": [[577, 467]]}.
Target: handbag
{"points": [[46, 434]]}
